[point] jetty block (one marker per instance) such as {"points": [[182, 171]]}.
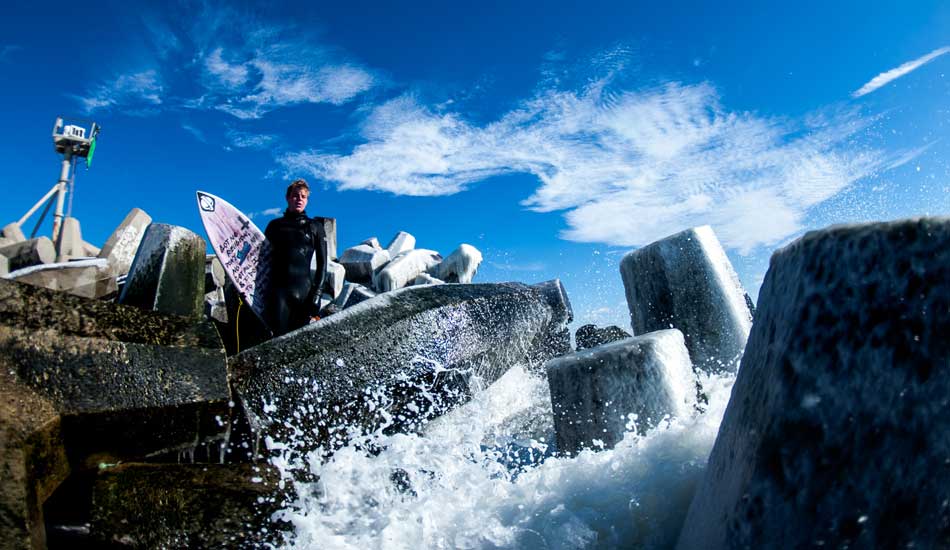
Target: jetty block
{"points": [[121, 246], [686, 282], [28, 253], [400, 358], [599, 394], [168, 273], [838, 429], [86, 381]]}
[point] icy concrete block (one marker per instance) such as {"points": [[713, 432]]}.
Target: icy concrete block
{"points": [[121, 246], [459, 266], [167, 274], [556, 295], [436, 332], [335, 278], [426, 279], [591, 336], [70, 243], [216, 270], [357, 293], [685, 281], [329, 229], [838, 429], [14, 233], [4, 266], [402, 242], [598, 394], [405, 268], [362, 261], [372, 242], [29, 253], [87, 278]]}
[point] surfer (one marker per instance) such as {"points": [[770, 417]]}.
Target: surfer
{"points": [[293, 298]]}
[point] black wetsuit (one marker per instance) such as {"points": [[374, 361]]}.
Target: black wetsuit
{"points": [[292, 296]]}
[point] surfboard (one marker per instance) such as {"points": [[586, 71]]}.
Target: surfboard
{"points": [[240, 246]]}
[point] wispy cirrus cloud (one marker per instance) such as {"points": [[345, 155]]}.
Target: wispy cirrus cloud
{"points": [[135, 90], [893, 74], [626, 166], [247, 140], [268, 213], [239, 65]]}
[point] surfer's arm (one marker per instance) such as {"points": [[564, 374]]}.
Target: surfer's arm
{"points": [[321, 250]]}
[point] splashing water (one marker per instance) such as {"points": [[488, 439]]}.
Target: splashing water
{"points": [[486, 476]]}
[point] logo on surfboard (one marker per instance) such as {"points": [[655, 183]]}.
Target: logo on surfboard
{"points": [[205, 202]]}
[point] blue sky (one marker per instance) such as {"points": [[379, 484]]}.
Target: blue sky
{"points": [[553, 136]]}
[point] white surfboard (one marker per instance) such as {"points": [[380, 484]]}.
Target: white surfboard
{"points": [[240, 246]]}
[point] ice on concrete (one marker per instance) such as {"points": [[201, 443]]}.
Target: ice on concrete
{"points": [[460, 266], [402, 242], [405, 268]]}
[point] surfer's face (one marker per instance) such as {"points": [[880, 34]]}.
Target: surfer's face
{"points": [[297, 201]]}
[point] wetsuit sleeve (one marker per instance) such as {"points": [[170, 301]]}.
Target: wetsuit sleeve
{"points": [[320, 248]]}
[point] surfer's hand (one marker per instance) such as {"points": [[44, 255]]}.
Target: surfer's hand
{"points": [[315, 318]]}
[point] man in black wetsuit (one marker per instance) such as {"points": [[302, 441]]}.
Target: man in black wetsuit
{"points": [[293, 297]]}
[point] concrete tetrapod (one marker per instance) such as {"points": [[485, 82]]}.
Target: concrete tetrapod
{"points": [[401, 357], [168, 272], [838, 430]]}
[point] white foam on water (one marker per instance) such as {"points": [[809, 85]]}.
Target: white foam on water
{"points": [[455, 486]]}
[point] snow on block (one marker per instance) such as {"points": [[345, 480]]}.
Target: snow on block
{"points": [[838, 429], [459, 266], [403, 269], [402, 242], [685, 281], [598, 394], [362, 261], [168, 272], [335, 277]]}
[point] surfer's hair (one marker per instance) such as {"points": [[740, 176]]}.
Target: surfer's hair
{"points": [[299, 183]]}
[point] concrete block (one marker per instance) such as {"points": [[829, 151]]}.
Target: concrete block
{"points": [[70, 243], [215, 305], [32, 459], [591, 336], [600, 393], [84, 381], [838, 429], [405, 268], [29, 253], [372, 242], [685, 281], [167, 274], [87, 278], [460, 266], [387, 344], [357, 293], [4, 266], [402, 242], [121, 246], [14, 233], [335, 278], [362, 261], [329, 228], [556, 295], [90, 250], [188, 506], [426, 279]]}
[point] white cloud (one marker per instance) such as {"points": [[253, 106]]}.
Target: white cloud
{"points": [[269, 213], [246, 140], [231, 76], [135, 90], [197, 133], [628, 167], [893, 74]]}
